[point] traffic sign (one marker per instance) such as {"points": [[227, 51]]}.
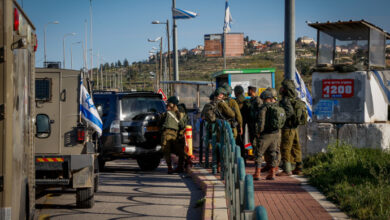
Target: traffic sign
{"points": [[164, 97]]}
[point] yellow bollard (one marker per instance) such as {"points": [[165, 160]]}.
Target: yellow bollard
{"points": [[188, 138]]}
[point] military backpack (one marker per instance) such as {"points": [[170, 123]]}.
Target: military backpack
{"points": [[300, 111], [211, 112], [275, 117]]}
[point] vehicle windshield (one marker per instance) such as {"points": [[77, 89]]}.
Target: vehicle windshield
{"points": [[133, 106]]}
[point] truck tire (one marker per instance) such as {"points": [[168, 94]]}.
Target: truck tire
{"points": [[148, 162], [84, 198]]}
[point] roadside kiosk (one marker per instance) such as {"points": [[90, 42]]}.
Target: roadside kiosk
{"points": [[261, 78], [350, 88]]}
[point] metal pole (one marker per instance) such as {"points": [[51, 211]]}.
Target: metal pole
{"points": [[156, 73], [176, 58], [289, 39], [224, 49], [90, 38], [44, 44], [161, 69], [85, 48], [169, 53], [71, 58]]}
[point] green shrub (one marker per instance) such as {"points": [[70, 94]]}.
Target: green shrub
{"points": [[357, 180]]}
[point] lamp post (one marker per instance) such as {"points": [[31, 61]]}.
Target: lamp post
{"points": [[169, 50], [44, 39], [160, 72], [63, 46], [71, 54]]}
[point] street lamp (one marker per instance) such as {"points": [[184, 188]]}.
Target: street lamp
{"points": [[63, 46], [71, 57], [44, 38], [169, 50], [158, 77]]}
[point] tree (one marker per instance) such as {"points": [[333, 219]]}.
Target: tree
{"points": [[125, 63], [119, 64], [106, 66], [112, 65]]}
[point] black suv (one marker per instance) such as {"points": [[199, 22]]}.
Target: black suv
{"points": [[130, 127]]}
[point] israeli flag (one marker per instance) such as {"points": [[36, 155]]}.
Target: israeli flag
{"points": [[183, 14], [304, 94], [228, 18], [88, 110]]}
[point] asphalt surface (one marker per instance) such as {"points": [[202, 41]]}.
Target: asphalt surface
{"points": [[126, 192]]}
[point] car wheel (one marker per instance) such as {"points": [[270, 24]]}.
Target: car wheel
{"points": [[149, 162], [84, 197]]}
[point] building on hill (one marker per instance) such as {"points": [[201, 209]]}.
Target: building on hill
{"points": [[213, 45]]}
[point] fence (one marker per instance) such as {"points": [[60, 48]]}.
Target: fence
{"points": [[239, 188]]}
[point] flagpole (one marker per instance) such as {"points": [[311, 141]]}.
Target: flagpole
{"points": [[176, 60], [224, 49]]}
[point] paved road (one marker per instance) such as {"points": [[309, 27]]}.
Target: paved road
{"points": [[125, 192]]}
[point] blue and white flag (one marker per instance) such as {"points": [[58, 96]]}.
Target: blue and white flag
{"points": [[304, 93], [183, 14], [228, 18], [88, 110]]}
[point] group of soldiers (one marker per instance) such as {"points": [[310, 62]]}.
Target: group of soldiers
{"points": [[272, 125]]}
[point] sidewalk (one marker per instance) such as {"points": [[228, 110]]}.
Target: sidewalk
{"points": [[290, 198]]}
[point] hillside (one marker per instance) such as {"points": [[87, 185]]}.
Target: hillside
{"points": [[136, 75]]}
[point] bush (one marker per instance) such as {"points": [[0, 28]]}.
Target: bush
{"points": [[356, 179]]}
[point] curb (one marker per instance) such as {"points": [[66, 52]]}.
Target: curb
{"points": [[214, 206]]}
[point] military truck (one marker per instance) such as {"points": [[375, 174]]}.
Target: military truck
{"points": [[18, 44], [64, 144]]}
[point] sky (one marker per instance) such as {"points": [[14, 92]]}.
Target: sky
{"points": [[121, 27]]}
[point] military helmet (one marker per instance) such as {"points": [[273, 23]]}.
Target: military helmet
{"points": [[273, 92], [173, 99], [266, 94], [227, 87], [220, 90], [238, 89], [211, 97]]}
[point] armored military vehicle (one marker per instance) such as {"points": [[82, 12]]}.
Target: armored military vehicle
{"points": [[65, 149], [18, 44]]}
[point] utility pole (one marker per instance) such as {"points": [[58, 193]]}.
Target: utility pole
{"points": [[161, 68], [289, 39], [90, 39], [176, 58]]}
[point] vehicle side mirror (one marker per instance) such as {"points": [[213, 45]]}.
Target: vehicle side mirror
{"points": [[42, 126], [99, 109]]}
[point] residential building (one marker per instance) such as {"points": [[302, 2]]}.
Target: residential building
{"points": [[214, 45]]}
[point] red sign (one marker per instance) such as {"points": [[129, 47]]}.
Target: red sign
{"points": [[164, 97], [337, 88]]}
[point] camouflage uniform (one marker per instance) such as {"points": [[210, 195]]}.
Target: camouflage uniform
{"points": [[236, 123], [266, 139], [290, 147], [255, 104], [244, 110], [180, 141], [170, 129]]}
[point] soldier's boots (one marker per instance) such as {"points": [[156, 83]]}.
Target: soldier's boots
{"points": [[272, 173], [256, 175], [286, 170], [298, 169]]}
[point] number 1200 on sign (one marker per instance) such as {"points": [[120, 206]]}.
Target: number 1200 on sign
{"points": [[337, 88]]}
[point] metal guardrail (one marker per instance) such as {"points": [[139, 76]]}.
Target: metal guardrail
{"points": [[239, 188]]}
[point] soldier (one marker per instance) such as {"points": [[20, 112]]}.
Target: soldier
{"points": [[243, 104], [236, 123], [254, 105], [170, 128], [180, 141], [267, 156], [290, 147], [267, 133]]}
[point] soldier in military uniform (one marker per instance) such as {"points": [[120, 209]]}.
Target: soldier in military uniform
{"points": [[243, 104], [226, 112], [290, 147], [170, 128], [254, 104], [267, 137], [236, 123], [180, 141]]}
